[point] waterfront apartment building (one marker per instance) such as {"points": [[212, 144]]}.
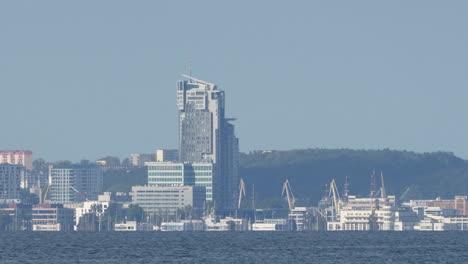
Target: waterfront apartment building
{"points": [[11, 177], [207, 136], [166, 200], [17, 157], [69, 183], [179, 173]]}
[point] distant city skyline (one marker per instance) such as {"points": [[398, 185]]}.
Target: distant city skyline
{"points": [[84, 80]]}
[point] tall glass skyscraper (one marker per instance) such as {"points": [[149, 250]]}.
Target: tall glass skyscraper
{"points": [[205, 135]]}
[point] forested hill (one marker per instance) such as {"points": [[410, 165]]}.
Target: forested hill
{"points": [[427, 175]]}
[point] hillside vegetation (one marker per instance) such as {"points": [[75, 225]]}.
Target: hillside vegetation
{"points": [[427, 175]]}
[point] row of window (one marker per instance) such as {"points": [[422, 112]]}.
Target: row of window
{"points": [[159, 179], [168, 173], [166, 167], [152, 199]]}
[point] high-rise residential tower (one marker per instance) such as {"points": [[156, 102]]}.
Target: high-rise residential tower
{"points": [[67, 180], [11, 177], [205, 135]]}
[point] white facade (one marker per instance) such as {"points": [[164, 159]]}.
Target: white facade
{"points": [[212, 225], [179, 173], [167, 199], [47, 227], [125, 227], [172, 226], [362, 214], [98, 207], [263, 227]]}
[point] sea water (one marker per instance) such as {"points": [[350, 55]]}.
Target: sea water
{"points": [[234, 247]]}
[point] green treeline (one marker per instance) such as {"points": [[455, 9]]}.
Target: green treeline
{"points": [[421, 175], [425, 175]]}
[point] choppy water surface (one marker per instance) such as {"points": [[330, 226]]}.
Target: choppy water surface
{"points": [[226, 247]]}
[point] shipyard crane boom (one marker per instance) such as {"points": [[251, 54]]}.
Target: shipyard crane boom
{"points": [[382, 192], [43, 196], [78, 192], [241, 192], [335, 195], [404, 194], [289, 194]]}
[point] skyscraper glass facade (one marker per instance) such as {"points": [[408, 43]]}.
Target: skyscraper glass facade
{"points": [[205, 135]]}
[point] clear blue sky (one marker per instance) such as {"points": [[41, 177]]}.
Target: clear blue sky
{"points": [[85, 79]]}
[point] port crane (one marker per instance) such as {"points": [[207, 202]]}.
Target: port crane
{"points": [[383, 192], [42, 197], [335, 199], [404, 194], [79, 193], [289, 194], [241, 193]]}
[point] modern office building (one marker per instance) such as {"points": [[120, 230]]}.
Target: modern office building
{"points": [[205, 135], [71, 183], [17, 157], [178, 174], [11, 177], [139, 159], [166, 200], [163, 155]]}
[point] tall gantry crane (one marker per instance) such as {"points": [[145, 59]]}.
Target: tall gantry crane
{"points": [[289, 194], [383, 192], [335, 199], [241, 193]]}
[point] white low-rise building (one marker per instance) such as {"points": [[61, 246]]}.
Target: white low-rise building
{"points": [[47, 227], [263, 227], [184, 225], [362, 214], [172, 226], [128, 226], [98, 207], [168, 199]]}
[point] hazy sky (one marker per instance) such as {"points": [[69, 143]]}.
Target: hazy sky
{"points": [[85, 79]]}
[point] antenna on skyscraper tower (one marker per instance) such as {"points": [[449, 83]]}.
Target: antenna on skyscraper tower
{"points": [[189, 67]]}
